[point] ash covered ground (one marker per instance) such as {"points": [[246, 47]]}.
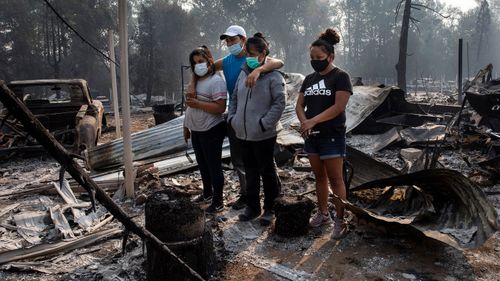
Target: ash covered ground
{"points": [[246, 250]]}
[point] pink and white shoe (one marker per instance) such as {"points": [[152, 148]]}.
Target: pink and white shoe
{"points": [[320, 219], [339, 230]]}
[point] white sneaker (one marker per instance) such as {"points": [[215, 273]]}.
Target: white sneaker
{"points": [[320, 219]]}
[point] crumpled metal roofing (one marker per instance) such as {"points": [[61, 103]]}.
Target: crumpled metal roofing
{"points": [[440, 203]]}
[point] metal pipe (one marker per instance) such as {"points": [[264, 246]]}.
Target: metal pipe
{"points": [[182, 89]]}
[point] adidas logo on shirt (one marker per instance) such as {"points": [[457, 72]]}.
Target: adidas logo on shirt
{"points": [[318, 89]]}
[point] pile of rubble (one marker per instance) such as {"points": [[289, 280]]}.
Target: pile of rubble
{"points": [[415, 170]]}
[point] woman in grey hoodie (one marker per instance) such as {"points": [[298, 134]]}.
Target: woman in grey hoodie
{"points": [[255, 116]]}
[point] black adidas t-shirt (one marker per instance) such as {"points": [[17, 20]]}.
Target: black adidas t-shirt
{"points": [[319, 94]]}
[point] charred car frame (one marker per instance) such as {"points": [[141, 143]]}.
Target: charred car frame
{"points": [[64, 107]]}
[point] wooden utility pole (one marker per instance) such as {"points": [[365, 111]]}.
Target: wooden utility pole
{"points": [[124, 89], [116, 108]]}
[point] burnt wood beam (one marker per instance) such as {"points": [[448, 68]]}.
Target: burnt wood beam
{"points": [[61, 155]]}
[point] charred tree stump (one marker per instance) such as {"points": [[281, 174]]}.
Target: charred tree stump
{"points": [[180, 224], [292, 215], [67, 161]]}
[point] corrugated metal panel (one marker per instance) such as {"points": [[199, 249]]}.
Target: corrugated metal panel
{"points": [[167, 138], [163, 139]]}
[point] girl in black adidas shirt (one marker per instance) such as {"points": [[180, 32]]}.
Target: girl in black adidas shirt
{"points": [[321, 110]]}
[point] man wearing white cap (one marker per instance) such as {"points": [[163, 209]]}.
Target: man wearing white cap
{"points": [[235, 37]]}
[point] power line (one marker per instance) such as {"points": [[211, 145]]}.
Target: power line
{"points": [[78, 34]]}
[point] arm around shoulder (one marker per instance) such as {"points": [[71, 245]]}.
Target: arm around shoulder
{"points": [[271, 64]]}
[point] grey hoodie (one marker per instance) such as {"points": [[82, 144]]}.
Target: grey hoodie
{"points": [[255, 112]]}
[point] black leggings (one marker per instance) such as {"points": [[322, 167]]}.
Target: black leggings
{"points": [[258, 157], [208, 151]]}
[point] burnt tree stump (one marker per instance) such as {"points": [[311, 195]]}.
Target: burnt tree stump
{"points": [[292, 215], [180, 224]]}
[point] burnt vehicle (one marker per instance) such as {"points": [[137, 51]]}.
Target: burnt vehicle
{"points": [[65, 108]]}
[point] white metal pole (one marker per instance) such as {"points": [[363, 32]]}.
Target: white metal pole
{"points": [[124, 87], [116, 108]]}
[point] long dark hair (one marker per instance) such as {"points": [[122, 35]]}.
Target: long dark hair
{"points": [[205, 53], [327, 40], [259, 42]]}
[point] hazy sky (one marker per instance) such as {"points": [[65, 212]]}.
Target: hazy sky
{"points": [[462, 4]]}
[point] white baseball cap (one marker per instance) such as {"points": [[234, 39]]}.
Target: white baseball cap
{"points": [[232, 31]]}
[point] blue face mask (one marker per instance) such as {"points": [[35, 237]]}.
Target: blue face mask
{"points": [[235, 49], [253, 62]]}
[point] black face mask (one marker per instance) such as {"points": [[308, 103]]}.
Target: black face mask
{"points": [[319, 65]]}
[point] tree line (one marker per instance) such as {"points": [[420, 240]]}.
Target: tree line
{"points": [[35, 44]]}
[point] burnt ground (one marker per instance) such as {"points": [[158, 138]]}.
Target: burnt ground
{"points": [[246, 250], [139, 122]]}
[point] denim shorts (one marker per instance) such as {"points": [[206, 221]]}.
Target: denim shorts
{"points": [[327, 147]]}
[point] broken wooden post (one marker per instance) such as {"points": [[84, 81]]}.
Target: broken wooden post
{"points": [[178, 222], [292, 215], [61, 155]]}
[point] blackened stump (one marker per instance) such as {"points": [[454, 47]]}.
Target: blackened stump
{"points": [[175, 220], [292, 215]]}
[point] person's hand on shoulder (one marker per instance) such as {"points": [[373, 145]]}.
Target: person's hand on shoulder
{"points": [[252, 78]]}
